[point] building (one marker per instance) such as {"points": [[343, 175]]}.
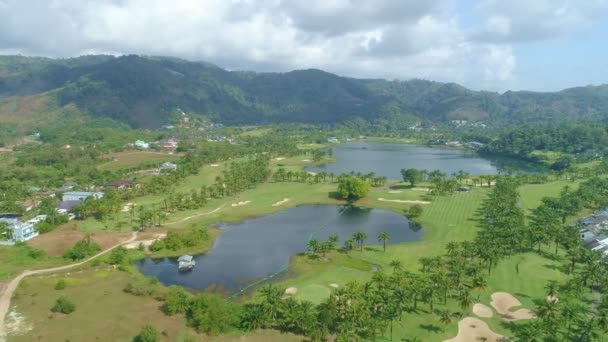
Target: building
{"points": [[333, 140], [474, 145], [81, 195], [166, 167], [593, 232], [121, 184], [9, 218], [23, 231], [142, 144], [65, 207], [28, 204], [67, 186]]}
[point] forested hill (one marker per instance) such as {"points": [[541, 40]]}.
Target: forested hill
{"points": [[146, 91]]}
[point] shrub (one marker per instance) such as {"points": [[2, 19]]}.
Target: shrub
{"points": [[414, 211], [118, 255], [60, 285], [148, 334], [177, 300], [81, 250], [63, 305]]}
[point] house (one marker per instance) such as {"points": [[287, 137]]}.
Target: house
{"points": [[593, 232], [167, 167], [37, 219], [9, 218], [66, 206], [474, 145], [67, 186], [81, 195], [121, 184], [333, 140], [142, 144], [464, 189], [22, 231], [28, 204]]}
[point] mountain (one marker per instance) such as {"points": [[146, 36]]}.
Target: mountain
{"points": [[145, 91]]}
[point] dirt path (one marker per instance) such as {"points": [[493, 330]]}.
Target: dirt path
{"points": [[5, 298], [197, 215]]}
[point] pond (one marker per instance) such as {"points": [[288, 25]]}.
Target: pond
{"points": [[256, 248], [386, 159]]}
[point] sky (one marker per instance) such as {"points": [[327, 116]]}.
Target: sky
{"points": [[498, 45]]}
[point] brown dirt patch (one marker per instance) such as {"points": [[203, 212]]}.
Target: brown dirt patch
{"points": [[63, 238], [482, 310], [473, 329], [503, 302]]}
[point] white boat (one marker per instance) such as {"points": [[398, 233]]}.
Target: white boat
{"points": [[186, 262]]}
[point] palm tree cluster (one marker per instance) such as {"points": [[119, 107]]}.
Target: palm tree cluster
{"points": [[283, 175]]}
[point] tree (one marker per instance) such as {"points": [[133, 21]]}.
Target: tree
{"points": [[177, 300], [445, 317], [213, 315], [414, 211], [352, 189], [148, 334], [63, 305], [384, 237], [412, 176], [5, 232], [118, 255]]}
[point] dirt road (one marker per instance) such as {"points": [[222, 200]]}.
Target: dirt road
{"points": [[5, 297]]}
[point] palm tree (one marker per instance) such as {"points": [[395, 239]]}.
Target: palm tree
{"points": [[464, 299], [384, 237], [445, 317], [333, 241], [349, 244], [395, 264], [360, 237], [313, 245], [452, 248], [551, 289]]}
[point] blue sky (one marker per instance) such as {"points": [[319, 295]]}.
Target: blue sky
{"points": [[499, 45]]}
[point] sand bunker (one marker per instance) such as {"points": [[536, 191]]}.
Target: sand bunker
{"points": [[281, 202], [421, 189], [335, 286], [279, 158], [503, 301], [395, 192], [214, 165], [127, 207], [482, 310], [473, 329], [305, 160], [240, 203], [290, 291], [404, 201]]}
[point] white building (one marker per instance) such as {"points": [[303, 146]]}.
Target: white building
{"points": [[23, 231], [81, 195]]}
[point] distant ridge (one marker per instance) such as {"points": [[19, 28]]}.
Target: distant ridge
{"points": [[143, 92]]}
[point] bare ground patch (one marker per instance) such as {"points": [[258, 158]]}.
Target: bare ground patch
{"points": [[473, 329], [281, 202], [55, 243], [503, 302]]}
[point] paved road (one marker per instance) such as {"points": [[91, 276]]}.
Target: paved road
{"points": [[5, 298]]}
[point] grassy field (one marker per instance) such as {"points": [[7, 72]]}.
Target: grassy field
{"points": [[122, 160]]}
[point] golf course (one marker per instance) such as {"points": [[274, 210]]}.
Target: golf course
{"points": [[107, 312]]}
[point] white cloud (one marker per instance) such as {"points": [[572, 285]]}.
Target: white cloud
{"points": [[385, 38]]}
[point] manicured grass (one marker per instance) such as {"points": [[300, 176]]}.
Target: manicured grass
{"points": [[122, 160], [531, 194]]}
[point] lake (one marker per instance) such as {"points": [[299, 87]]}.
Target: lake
{"points": [[258, 247], [386, 159]]}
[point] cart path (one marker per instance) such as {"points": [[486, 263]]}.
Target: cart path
{"points": [[197, 215], [5, 298]]}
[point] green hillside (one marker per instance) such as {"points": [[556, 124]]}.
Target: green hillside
{"points": [[145, 91]]}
